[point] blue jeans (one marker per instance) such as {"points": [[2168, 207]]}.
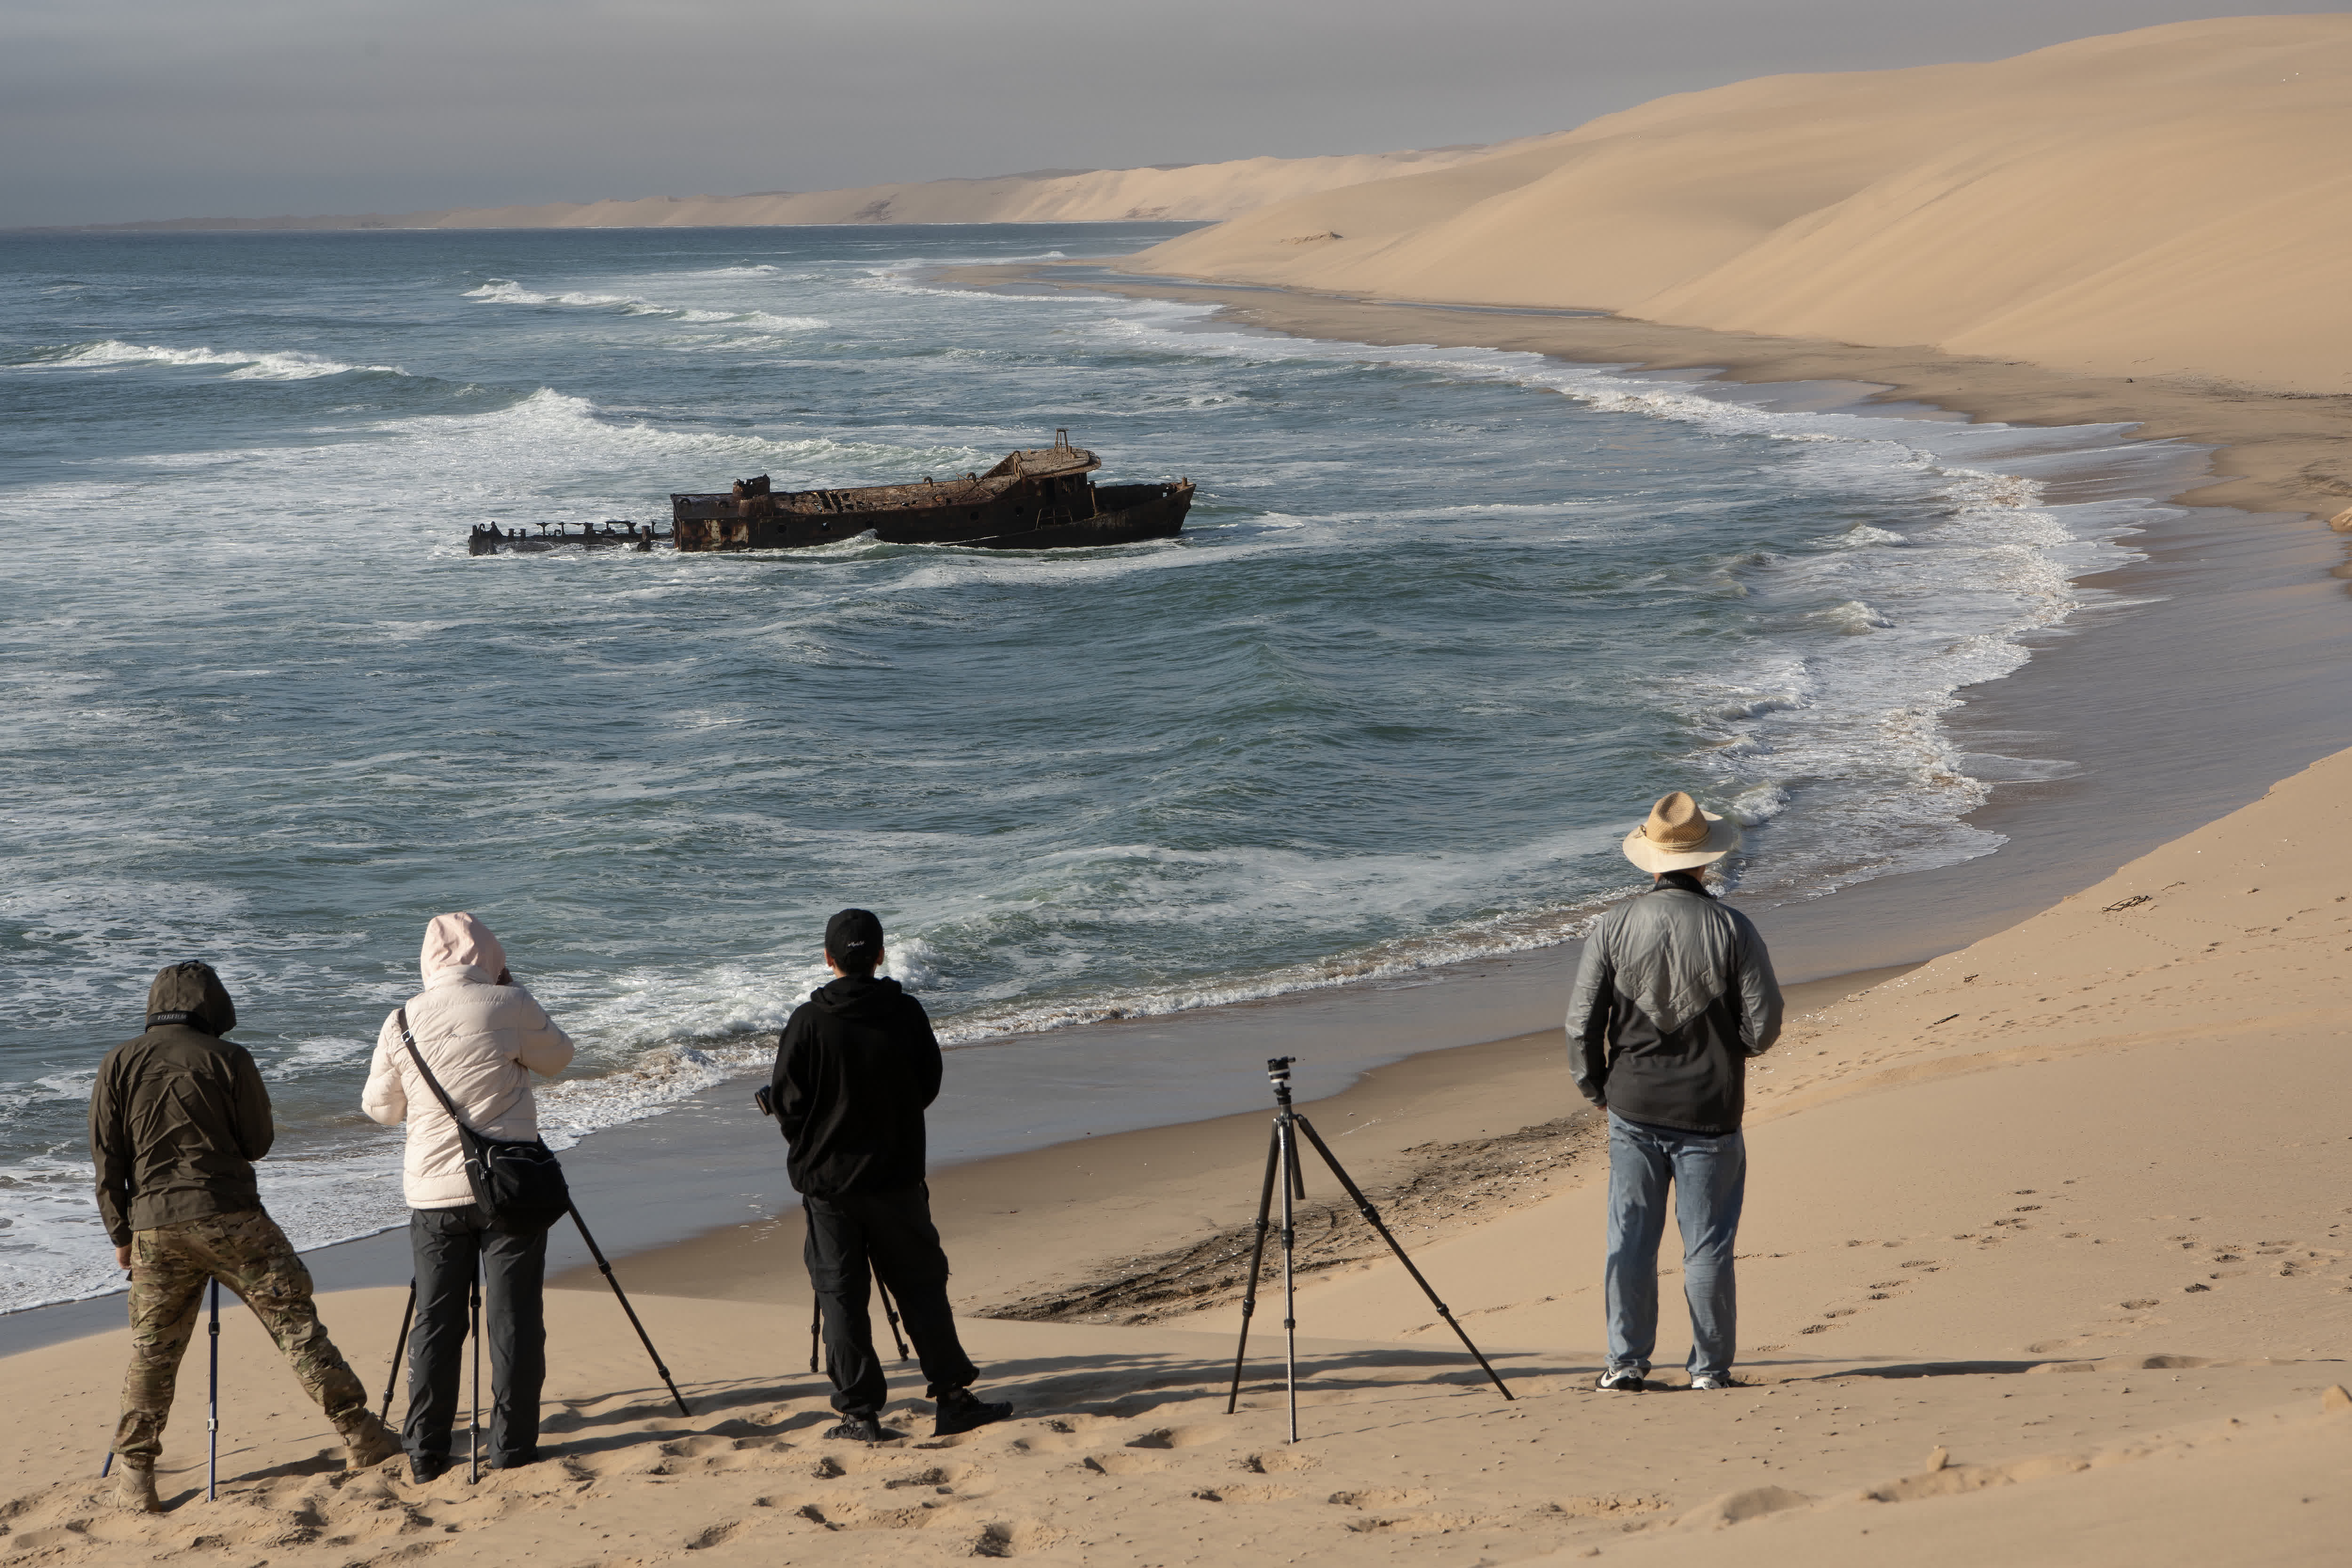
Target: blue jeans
{"points": [[1709, 1175]]}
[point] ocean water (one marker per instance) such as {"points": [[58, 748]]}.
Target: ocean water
{"points": [[1441, 624]]}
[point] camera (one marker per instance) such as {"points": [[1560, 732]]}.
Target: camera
{"points": [[765, 1099]]}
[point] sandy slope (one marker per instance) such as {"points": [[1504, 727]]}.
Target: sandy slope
{"points": [[2176, 201], [2046, 1262], [1188, 192]]}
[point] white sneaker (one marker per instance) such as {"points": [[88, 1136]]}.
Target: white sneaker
{"points": [[1709, 1382], [1622, 1379]]}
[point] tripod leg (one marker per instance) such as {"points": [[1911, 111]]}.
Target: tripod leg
{"points": [[817, 1333], [1258, 1262], [399, 1349], [1290, 1280], [890, 1310], [643, 1338], [212, 1403], [473, 1406], [1372, 1218]]}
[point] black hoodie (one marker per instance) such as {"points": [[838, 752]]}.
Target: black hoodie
{"points": [[855, 1068], [178, 1116]]}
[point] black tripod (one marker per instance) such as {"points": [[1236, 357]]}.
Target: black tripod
{"points": [[1282, 1157], [409, 1317]]}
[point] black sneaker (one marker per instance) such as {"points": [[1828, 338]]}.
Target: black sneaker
{"points": [[1622, 1380], [514, 1461], [961, 1411], [424, 1467], [863, 1429]]}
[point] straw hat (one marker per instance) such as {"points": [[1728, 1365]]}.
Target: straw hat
{"points": [[1679, 836]]}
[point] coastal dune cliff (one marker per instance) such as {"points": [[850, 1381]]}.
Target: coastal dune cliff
{"points": [[2171, 202]]}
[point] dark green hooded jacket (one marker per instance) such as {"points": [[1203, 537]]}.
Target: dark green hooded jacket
{"points": [[178, 1116]]}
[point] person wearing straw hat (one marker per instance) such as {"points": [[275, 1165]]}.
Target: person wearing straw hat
{"points": [[1675, 993]]}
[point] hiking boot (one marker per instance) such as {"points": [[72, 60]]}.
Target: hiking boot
{"points": [[1710, 1382], [516, 1460], [426, 1467], [367, 1442], [960, 1410], [863, 1429], [1621, 1380], [134, 1488]]}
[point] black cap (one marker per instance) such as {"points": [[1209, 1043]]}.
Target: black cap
{"points": [[854, 933]]}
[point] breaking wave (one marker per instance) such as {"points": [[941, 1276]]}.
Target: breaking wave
{"points": [[279, 365]]}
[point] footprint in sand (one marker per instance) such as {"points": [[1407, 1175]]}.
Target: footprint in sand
{"points": [[1384, 1497], [1277, 1462], [1412, 1523], [1178, 1437], [1016, 1538], [1246, 1492]]}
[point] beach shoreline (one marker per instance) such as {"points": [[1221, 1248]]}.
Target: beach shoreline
{"points": [[2274, 452], [695, 1167], [2018, 1159], [1892, 923]]}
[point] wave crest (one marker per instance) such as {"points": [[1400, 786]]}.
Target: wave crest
{"points": [[261, 365]]}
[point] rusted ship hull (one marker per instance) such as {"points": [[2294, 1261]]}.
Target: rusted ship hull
{"points": [[1038, 498], [1132, 512]]}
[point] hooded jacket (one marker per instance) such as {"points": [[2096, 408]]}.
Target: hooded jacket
{"points": [[1675, 993], [856, 1067], [483, 1041], [178, 1116]]}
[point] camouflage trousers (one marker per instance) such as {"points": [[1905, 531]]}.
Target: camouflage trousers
{"points": [[247, 1253]]}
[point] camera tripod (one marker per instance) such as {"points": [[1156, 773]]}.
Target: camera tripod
{"points": [[1282, 1160], [211, 1408], [474, 1331]]}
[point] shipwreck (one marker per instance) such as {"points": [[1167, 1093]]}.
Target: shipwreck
{"points": [[1037, 498]]}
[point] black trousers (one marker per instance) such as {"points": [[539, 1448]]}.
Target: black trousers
{"points": [[890, 1234], [449, 1245]]}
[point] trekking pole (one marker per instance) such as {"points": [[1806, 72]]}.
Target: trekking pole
{"points": [[211, 1405], [816, 1332], [473, 1406], [890, 1310], [643, 1338], [399, 1349]]}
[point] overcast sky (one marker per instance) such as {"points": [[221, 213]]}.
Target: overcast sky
{"points": [[119, 110]]}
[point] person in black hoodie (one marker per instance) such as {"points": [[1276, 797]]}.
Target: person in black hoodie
{"points": [[855, 1068]]}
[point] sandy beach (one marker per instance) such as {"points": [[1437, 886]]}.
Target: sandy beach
{"points": [[2046, 1259]]}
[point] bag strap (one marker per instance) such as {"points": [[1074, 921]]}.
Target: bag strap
{"points": [[401, 1018]]}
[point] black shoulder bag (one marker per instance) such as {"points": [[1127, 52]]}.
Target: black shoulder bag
{"points": [[520, 1185]]}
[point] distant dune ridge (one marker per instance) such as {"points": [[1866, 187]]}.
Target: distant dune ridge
{"points": [[1204, 192], [2174, 200]]}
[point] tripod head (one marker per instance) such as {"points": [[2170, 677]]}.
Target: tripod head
{"points": [[1277, 1072]]}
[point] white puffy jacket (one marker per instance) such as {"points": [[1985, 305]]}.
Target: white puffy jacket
{"points": [[483, 1042]]}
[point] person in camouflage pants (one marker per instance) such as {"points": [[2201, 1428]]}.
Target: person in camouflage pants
{"points": [[247, 1253], [176, 1119]]}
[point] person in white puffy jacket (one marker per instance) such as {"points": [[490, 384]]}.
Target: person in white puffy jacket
{"points": [[483, 1035]]}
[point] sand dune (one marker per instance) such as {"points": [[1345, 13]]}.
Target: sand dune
{"points": [[2176, 201], [1188, 192]]}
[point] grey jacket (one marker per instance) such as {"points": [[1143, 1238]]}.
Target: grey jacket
{"points": [[1675, 993]]}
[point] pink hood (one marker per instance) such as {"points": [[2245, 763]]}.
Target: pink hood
{"points": [[460, 941]]}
